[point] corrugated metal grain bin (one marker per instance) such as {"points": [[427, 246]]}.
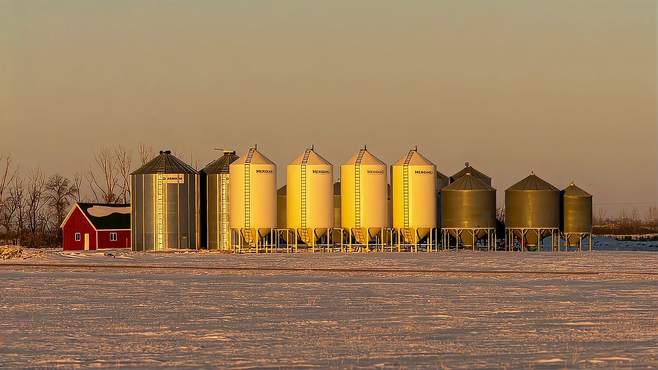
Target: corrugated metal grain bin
{"points": [[576, 213], [252, 196], [468, 203], [413, 180], [165, 205], [364, 203], [309, 206], [468, 169], [215, 178], [532, 203]]}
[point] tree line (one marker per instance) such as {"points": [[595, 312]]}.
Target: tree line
{"points": [[626, 222], [33, 204]]}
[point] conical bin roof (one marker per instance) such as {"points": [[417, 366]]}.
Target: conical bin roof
{"points": [[367, 159], [468, 169], [468, 182], [165, 162], [575, 192], [256, 158], [532, 183], [416, 159], [441, 180], [313, 159], [221, 164]]}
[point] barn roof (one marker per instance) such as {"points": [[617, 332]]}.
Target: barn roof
{"points": [[104, 216]]}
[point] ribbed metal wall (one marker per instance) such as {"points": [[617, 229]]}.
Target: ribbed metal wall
{"points": [[165, 205]]}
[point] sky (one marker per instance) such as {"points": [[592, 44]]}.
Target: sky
{"points": [[564, 88]]}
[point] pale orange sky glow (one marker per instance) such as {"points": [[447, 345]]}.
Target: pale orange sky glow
{"points": [[564, 88]]}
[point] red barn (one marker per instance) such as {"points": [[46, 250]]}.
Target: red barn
{"points": [[90, 226]]}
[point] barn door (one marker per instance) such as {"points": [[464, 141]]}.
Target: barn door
{"points": [[86, 241]]}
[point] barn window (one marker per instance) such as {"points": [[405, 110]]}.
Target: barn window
{"points": [[78, 237], [113, 237]]}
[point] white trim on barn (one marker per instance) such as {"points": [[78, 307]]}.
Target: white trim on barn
{"points": [[71, 212]]}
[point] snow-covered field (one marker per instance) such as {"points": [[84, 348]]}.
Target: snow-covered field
{"points": [[455, 310]]}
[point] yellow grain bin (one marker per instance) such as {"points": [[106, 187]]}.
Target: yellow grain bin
{"points": [[281, 207], [252, 196], [364, 204], [413, 178], [337, 222], [310, 210]]}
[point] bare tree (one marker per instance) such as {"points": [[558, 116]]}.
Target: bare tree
{"points": [[17, 204], [77, 185], [123, 164], [145, 152], [7, 218], [7, 174], [623, 218], [635, 216], [652, 216], [195, 163], [35, 200], [102, 177], [59, 193], [601, 214]]}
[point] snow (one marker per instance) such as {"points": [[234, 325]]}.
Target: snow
{"points": [[456, 310], [104, 211]]}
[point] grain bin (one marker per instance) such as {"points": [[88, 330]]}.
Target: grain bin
{"points": [[165, 205], [441, 182], [215, 230], [413, 180], [468, 169], [576, 221], [310, 209], [337, 222], [532, 210], [468, 210], [281, 207], [364, 196], [252, 196]]}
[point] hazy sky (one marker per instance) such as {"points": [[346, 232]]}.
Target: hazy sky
{"points": [[565, 88]]}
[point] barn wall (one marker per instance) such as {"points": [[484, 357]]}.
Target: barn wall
{"points": [[77, 223], [123, 239]]}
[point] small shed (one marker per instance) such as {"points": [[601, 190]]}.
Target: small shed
{"points": [[91, 226]]}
